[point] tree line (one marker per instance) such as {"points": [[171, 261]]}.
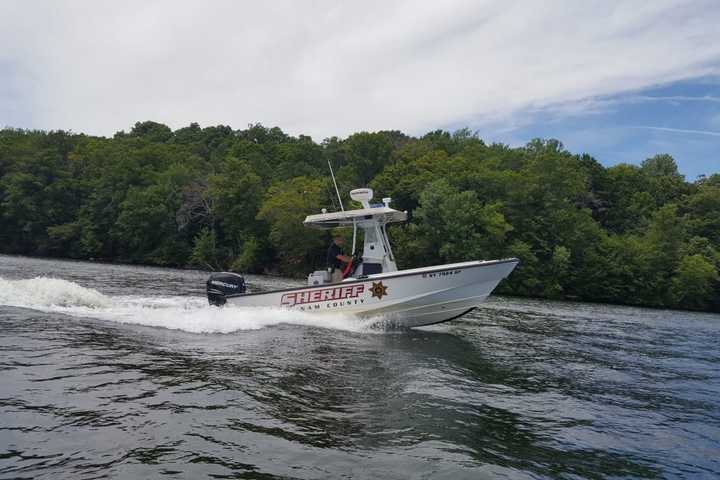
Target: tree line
{"points": [[219, 198]]}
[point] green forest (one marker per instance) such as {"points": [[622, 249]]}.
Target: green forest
{"points": [[219, 198]]}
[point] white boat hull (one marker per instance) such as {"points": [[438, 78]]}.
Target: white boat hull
{"points": [[405, 298]]}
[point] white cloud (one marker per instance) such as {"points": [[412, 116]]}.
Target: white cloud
{"points": [[681, 130], [329, 68], [674, 98]]}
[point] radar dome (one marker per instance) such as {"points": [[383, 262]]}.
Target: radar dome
{"points": [[362, 195]]}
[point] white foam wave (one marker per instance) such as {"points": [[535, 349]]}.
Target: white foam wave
{"points": [[49, 292], [191, 314]]}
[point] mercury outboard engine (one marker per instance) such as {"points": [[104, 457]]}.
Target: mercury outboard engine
{"points": [[222, 285]]}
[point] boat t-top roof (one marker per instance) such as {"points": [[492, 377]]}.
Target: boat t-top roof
{"points": [[366, 216], [348, 218]]}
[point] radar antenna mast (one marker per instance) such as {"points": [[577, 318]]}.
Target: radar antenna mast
{"points": [[332, 174]]}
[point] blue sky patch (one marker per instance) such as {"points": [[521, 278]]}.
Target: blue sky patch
{"points": [[682, 119]]}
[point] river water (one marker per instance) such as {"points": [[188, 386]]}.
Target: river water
{"points": [[125, 372]]}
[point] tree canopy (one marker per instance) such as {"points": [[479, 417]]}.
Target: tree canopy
{"points": [[220, 198]]}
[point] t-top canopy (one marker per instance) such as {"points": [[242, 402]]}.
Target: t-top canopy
{"points": [[347, 218]]}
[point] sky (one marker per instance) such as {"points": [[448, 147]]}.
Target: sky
{"points": [[621, 81]]}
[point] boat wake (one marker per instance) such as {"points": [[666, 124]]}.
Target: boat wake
{"points": [[191, 314]]}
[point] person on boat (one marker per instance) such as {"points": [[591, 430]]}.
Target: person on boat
{"points": [[336, 259]]}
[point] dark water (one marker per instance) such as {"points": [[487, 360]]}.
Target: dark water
{"points": [[127, 383]]}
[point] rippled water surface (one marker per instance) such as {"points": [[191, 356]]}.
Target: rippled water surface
{"points": [[125, 372]]}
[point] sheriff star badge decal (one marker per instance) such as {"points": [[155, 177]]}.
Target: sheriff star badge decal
{"points": [[378, 290]]}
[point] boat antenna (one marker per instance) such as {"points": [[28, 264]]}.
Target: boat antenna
{"points": [[332, 174]]}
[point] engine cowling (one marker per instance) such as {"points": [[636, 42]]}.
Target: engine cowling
{"points": [[222, 285]]}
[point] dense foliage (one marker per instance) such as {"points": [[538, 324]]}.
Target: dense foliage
{"points": [[222, 198]]}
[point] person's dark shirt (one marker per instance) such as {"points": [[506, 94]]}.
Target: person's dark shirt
{"points": [[332, 254]]}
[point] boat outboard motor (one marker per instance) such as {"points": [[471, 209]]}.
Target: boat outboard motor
{"points": [[222, 285]]}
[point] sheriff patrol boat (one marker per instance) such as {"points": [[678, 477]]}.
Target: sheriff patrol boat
{"points": [[373, 286]]}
